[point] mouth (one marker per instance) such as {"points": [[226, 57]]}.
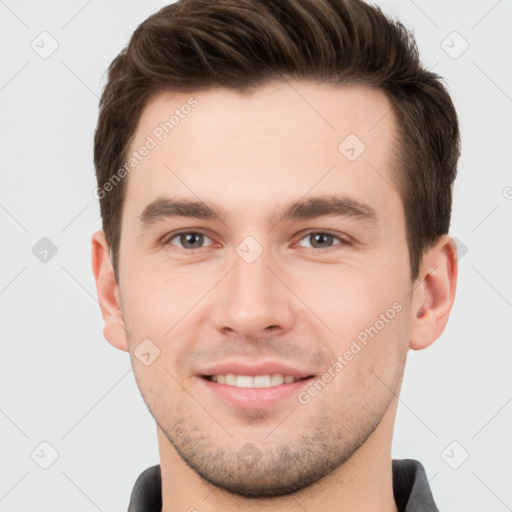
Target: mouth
{"points": [[253, 388], [254, 381]]}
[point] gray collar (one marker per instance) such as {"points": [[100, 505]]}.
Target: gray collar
{"points": [[410, 488]]}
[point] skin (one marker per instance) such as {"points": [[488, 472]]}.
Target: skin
{"points": [[301, 301]]}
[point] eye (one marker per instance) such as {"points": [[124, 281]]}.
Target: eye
{"points": [[195, 240], [322, 240], [188, 240]]}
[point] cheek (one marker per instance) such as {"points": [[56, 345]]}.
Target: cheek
{"points": [[368, 357], [349, 298], [369, 316], [161, 389], [166, 306], [157, 298]]}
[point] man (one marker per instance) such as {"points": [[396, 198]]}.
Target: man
{"points": [[275, 186]]}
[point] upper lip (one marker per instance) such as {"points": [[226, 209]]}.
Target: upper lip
{"points": [[264, 368]]}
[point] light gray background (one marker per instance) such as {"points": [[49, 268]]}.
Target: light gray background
{"points": [[63, 384]]}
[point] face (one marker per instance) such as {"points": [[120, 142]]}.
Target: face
{"points": [[259, 241]]}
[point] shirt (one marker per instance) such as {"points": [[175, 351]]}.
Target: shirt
{"points": [[410, 488]]}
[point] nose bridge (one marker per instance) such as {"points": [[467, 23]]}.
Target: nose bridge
{"points": [[253, 299]]}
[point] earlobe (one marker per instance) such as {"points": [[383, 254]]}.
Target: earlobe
{"points": [[109, 299], [434, 294]]}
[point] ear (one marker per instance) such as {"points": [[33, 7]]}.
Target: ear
{"points": [[109, 298], [434, 292]]}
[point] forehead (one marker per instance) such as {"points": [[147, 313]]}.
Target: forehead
{"points": [[276, 143]]}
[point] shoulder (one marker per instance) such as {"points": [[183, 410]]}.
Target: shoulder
{"points": [[147, 492]]}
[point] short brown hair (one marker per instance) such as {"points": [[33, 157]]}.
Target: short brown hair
{"points": [[194, 45]]}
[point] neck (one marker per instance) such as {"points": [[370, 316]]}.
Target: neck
{"points": [[363, 483]]}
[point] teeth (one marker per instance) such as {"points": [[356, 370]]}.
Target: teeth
{"points": [[276, 380], [261, 381], [258, 381]]}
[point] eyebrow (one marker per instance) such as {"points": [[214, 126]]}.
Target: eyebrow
{"points": [[304, 209]]}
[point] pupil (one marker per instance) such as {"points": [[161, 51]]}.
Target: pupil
{"points": [[321, 238], [191, 239]]}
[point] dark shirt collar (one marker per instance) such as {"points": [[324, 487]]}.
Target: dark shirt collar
{"points": [[410, 488]]}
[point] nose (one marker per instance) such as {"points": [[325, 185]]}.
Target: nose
{"points": [[253, 302]]}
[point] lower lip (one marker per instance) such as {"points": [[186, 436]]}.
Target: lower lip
{"points": [[255, 398]]}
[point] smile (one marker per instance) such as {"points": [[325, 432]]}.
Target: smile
{"points": [[249, 381]]}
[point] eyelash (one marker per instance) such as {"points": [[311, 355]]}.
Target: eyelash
{"points": [[343, 242]]}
